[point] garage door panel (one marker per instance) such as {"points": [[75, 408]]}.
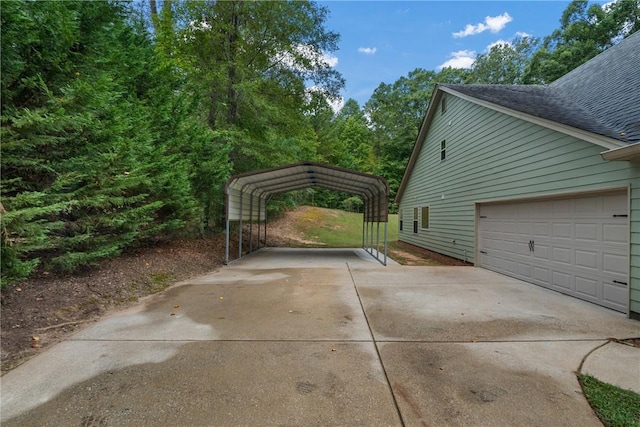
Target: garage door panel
{"points": [[523, 249], [525, 228], [614, 294], [560, 207], [562, 255], [541, 274], [588, 259], [587, 287], [579, 247], [587, 232], [615, 233], [541, 229], [561, 280], [524, 270], [541, 252], [562, 230], [589, 205], [615, 264]]}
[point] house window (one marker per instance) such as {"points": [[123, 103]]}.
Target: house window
{"points": [[424, 223], [443, 104], [415, 220], [443, 150], [400, 218]]}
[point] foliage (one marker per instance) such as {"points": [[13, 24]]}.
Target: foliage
{"points": [[505, 63], [93, 132], [122, 121], [253, 60], [615, 407], [395, 112], [585, 31]]}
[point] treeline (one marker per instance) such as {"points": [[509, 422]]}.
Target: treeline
{"points": [[122, 121]]}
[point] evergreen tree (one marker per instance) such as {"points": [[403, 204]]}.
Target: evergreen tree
{"points": [[94, 157]]}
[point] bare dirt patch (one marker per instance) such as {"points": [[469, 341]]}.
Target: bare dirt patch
{"points": [[47, 308]]}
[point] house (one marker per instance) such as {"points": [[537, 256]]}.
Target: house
{"points": [[537, 182]]}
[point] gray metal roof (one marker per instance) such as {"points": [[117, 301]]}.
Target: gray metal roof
{"points": [[601, 96], [247, 193]]}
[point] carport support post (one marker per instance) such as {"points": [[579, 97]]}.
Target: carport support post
{"points": [[371, 230], [385, 243], [265, 219], [251, 224], [240, 231], [259, 205], [226, 240], [378, 231]]}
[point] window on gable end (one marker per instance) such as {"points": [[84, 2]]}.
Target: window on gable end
{"points": [[443, 104], [443, 149]]}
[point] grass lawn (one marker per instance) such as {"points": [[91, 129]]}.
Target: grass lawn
{"points": [[615, 407], [340, 229]]}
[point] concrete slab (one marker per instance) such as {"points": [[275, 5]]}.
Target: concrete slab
{"points": [[488, 384], [605, 362], [229, 384], [282, 309], [290, 341], [407, 275], [492, 309], [300, 258]]}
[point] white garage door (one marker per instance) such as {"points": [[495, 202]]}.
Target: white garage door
{"points": [[578, 246]]}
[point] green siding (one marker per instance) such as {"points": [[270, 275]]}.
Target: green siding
{"points": [[491, 157]]}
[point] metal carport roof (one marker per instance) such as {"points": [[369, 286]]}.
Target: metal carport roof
{"points": [[247, 194]]}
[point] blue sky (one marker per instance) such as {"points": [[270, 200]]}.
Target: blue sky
{"points": [[382, 41]]}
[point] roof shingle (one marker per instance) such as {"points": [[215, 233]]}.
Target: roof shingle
{"points": [[601, 96]]}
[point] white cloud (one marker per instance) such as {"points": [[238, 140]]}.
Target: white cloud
{"points": [[491, 23], [459, 59], [368, 50], [522, 34]]}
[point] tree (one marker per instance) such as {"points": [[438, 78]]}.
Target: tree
{"points": [[505, 63], [94, 156], [584, 32], [253, 60], [396, 111]]}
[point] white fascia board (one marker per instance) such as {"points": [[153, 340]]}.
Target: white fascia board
{"points": [[603, 141], [629, 152]]}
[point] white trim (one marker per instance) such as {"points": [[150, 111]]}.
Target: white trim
{"points": [[603, 141], [629, 152], [555, 195]]}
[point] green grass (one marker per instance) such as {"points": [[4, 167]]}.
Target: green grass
{"points": [[340, 229], [615, 407]]}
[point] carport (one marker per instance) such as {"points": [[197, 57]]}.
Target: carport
{"points": [[248, 194]]}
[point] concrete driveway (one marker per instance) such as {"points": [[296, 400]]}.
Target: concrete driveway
{"points": [[324, 337]]}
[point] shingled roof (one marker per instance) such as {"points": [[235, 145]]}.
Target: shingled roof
{"points": [[601, 96]]}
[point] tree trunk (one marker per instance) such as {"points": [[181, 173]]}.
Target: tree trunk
{"points": [[232, 96], [154, 14]]}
